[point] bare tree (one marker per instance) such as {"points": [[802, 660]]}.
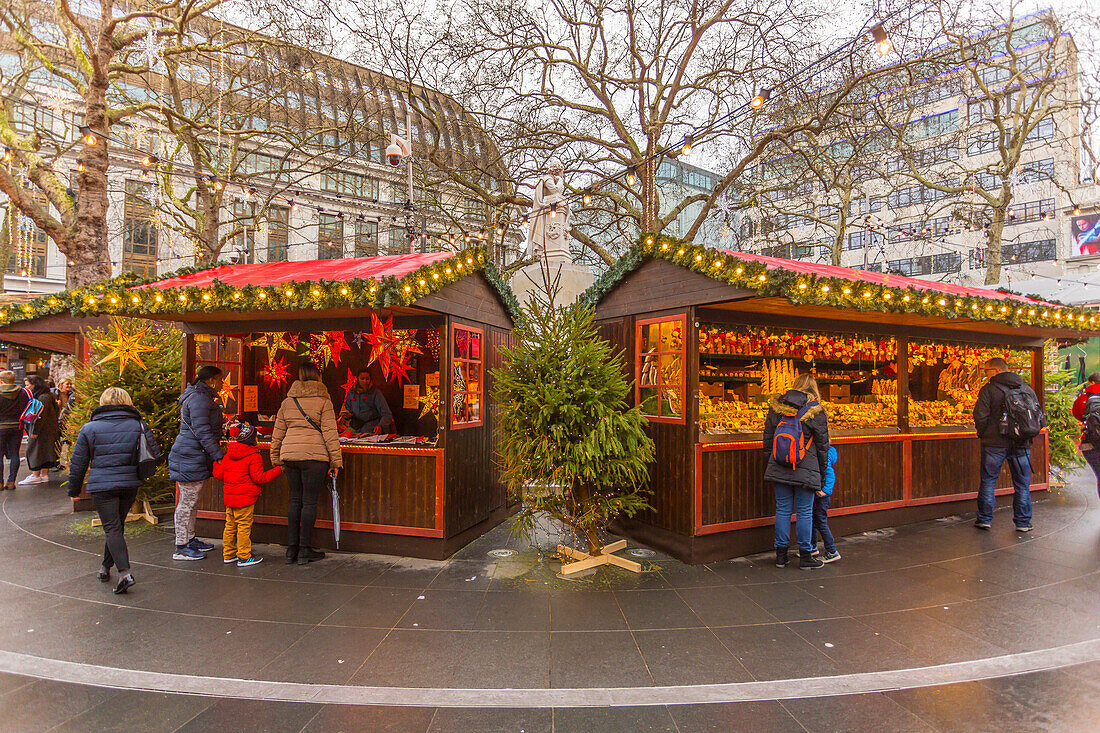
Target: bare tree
{"points": [[612, 89], [85, 58]]}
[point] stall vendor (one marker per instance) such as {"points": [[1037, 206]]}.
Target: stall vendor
{"points": [[365, 409]]}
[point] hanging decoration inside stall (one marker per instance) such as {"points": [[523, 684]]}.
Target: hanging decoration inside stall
{"points": [[125, 347], [228, 391], [276, 373], [380, 338], [392, 349], [326, 347], [429, 402], [292, 339], [358, 338], [348, 385], [272, 343]]}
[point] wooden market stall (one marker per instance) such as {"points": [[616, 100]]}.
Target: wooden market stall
{"points": [[429, 327], [708, 335]]}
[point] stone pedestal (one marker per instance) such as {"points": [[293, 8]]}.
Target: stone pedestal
{"points": [[572, 280]]}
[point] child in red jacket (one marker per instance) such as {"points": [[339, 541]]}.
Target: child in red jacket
{"points": [[241, 472]]}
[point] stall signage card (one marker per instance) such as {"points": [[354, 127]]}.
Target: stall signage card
{"points": [[412, 397], [249, 402], [431, 380]]}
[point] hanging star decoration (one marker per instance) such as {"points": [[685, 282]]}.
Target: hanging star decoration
{"points": [[292, 339], [125, 347], [429, 402], [276, 373], [380, 338], [349, 384], [358, 338], [327, 346], [272, 342], [225, 394]]}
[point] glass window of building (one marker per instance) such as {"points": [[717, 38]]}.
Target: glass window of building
{"points": [[139, 234], [330, 237], [278, 233], [366, 238]]}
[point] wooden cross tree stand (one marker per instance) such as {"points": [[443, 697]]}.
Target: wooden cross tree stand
{"points": [[584, 561], [140, 510]]}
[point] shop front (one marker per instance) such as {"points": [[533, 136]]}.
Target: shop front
{"points": [[712, 335], [426, 328]]}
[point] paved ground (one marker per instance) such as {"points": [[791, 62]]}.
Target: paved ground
{"points": [[934, 626]]}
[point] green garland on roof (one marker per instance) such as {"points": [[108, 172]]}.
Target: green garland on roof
{"points": [[809, 289], [120, 299]]}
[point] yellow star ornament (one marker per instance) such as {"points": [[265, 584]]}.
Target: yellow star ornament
{"points": [[125, 347], [429, 403]]}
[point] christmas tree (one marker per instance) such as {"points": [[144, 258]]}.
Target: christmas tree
{"points": [[146, 361], [571, 448]]}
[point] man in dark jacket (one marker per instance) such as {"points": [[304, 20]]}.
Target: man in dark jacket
{"points": [[997, 448], [191, 460], [13, 401], [106, 456], [795, 486]]}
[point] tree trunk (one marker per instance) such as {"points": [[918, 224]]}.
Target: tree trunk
{"points": [[86, 246], [993, 244]]}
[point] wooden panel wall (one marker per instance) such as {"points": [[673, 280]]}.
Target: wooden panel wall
{"points": [[952, 466], [868, 473], [734, 490], [660, 285], [375, 488], [671, 479], [471, 298]]}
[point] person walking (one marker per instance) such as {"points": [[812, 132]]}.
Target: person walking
{"points": [[995, 420], [306, 443], [242, 474], [66, 401], [1086, 408], [43, 433], [191, 460], [796, 437], [13, 402], [106, 457]]}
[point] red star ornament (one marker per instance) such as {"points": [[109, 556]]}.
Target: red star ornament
{"points": [[349, 384], [337, 344], [276, 373], [380, 338]]}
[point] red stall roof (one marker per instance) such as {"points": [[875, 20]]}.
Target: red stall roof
{"points": [[275, 273], [878, 278]]}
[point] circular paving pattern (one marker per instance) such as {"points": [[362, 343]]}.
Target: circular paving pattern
{"points": [[917, 606]]}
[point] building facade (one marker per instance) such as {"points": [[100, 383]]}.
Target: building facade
{"points": [[902, 198], [326, 192]]}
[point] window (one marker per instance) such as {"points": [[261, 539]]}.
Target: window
{"points": [[986, 180], [985, 142], [857, 240], [976, 259], [350, 184], [1044, 130], [366, 238], [29, 256], [223, 352], [278, 233], [912, 266], [829, 212], [949, 262], [659, 368], [932, 125], [139, 234], [1042, 250], [1036, 170], [473, 209], [330, 237], [399, 242], [467, 385], [1030, 211], [877, 202]]}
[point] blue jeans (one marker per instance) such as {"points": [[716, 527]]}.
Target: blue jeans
{"points": [[1019, 465], [1093, 459], [821, 522], [799, 501]]}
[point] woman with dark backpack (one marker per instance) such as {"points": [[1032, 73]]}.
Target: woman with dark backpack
{"points": [[306, 444], [108, 453], [1086, 408], [796, 437]]}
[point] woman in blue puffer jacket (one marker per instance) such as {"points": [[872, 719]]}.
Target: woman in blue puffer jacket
{"points": [[191, 460], [106, 454]]}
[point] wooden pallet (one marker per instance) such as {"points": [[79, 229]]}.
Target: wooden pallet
{"points": [[146, 513]]}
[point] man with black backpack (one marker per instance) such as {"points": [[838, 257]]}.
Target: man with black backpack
{"points": [[1007, 417]]}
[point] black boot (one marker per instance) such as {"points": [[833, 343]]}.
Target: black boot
{"points": [[781, 557], [806, 561], [291, 555], [307, 555]]}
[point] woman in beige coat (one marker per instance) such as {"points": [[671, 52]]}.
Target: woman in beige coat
{"points": [[306, 444]]}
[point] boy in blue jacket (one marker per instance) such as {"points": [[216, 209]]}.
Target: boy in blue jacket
{"points": [[821, 511]]}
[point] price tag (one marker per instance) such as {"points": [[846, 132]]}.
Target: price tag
{"points": [[412, 397], [431, 380], [248, 398]]}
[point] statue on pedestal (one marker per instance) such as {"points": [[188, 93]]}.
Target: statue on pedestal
{"points": [[549, 225]]}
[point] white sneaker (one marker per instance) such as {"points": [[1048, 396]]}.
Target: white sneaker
{"points": [[32, 479]]}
